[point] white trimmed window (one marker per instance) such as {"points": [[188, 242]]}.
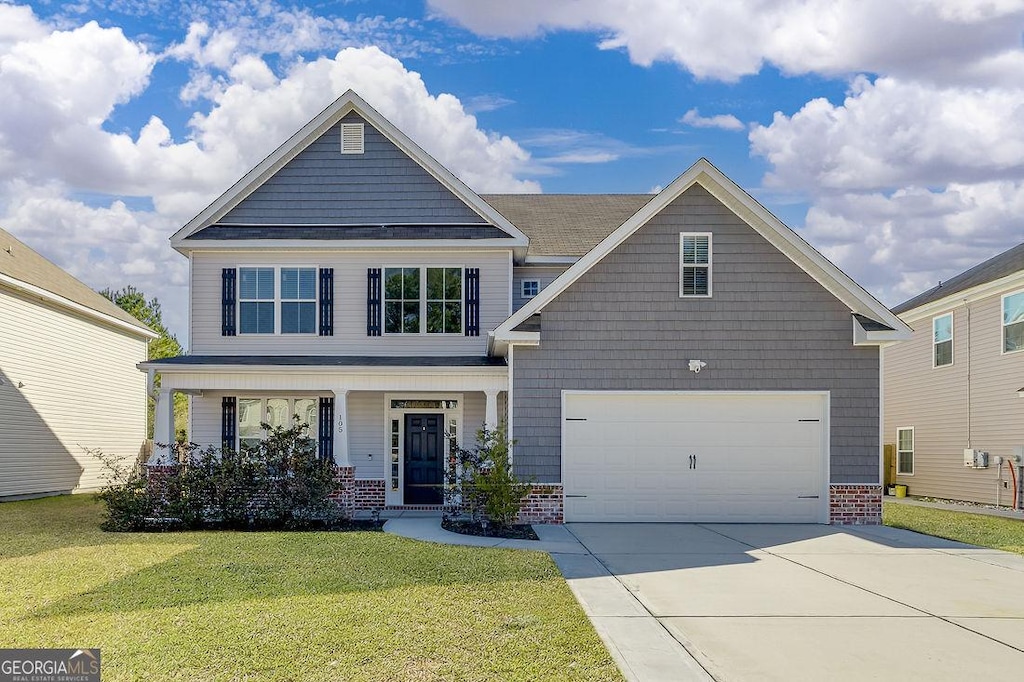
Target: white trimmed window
{"points": [[905, 451], [530, 288], [412, 308], [277, 300], [942, 340], [1013, 322], [695, 264], [278, 412]]}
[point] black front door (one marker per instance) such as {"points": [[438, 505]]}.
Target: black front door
{"points": [[424, 458]]}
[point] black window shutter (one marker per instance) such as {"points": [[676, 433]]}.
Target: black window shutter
{"points": [[472, 301], [228, 420], [227, 302], [325, 441], [373, 302], [326, 301]]}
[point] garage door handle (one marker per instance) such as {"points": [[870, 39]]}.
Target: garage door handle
{"points": [[575, 495], [807, 497]]}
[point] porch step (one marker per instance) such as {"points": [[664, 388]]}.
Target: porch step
{"points": [[415, 507]]}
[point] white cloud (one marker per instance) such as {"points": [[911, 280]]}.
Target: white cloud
{"points": [[729, 39], [59, 88], [720, 121]]}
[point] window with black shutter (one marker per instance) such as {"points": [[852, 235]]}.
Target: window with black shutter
{"points": [[373, 302], [472, 301], [325, 440], [228, 420], [227, 302], [326, 301]]}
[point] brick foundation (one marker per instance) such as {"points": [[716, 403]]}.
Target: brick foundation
{"points": [[344, 489], [543, 504], [369, 493], [855, 505]]}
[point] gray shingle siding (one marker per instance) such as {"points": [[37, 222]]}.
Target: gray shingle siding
{"points": [[769, 326], [323, 186]]}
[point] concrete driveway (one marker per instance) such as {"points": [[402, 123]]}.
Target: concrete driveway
{"points": [[784, 602]]}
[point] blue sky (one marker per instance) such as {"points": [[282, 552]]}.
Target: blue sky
{"points": [[890, 136]]}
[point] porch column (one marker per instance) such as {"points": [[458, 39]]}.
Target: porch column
{"points": [[341, 428], [491, 413], [163, 428]]}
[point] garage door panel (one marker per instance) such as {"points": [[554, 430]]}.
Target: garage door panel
{"points": [[756, 460]]}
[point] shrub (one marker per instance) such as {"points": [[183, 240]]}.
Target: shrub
{"points": [[481, 483], [279, 483]]}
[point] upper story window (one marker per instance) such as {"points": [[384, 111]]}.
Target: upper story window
{"points": [[277, 300], [1013, 322], [256, 300], [530, 288], [942, 340], [412, 308], [695, 264]]}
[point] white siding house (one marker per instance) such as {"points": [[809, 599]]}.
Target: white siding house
{"points": [[68, 380]]}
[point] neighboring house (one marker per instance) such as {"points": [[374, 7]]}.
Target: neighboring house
{"points": [[352, 280], [958, 383], [67, 377]]}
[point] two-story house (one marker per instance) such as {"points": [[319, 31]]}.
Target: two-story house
{"points": [[956, 389], [669, 357]]}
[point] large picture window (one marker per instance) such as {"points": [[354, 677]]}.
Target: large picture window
{"points": [[421, 300], [905, 451], [1013, 322], [942, 340], [695, 264], [277, 412]]}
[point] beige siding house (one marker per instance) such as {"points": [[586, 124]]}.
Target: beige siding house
{"points": [[955, 385], [67, 377]]}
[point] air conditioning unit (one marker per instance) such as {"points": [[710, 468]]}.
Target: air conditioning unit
{"points": [[975, 459]]}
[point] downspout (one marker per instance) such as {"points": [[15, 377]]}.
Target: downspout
{"points": [[967, 310]]}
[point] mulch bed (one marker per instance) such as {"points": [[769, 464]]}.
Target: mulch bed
{"points": [[518, 531]]}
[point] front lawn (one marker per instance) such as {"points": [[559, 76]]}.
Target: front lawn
{"points": [[285, 606], [987, 531]]}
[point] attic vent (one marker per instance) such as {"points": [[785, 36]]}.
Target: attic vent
{"points": [[351, 138]]}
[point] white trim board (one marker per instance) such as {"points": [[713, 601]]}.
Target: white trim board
{"points": [[319, 125], [750, 211]]}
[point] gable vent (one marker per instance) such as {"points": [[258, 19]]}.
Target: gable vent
{"points": [[351, 138]]}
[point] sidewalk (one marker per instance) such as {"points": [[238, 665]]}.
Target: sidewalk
{"points": [[952, 506], [553, 539]]}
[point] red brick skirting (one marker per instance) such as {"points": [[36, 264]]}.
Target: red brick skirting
{"points": [[855, 505], [369, 493], [543, 504]]}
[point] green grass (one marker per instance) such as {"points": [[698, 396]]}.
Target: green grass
{"points": [[285, 606], [987, 531]]}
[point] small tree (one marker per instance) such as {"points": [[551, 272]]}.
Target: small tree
{"points": [[481, 481]]}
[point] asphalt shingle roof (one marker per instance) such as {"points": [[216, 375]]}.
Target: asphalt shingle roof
{"points": [[1006, 263], [20, 262], [566, 224]]}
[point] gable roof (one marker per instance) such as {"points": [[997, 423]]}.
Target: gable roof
{"points": [[24, 269], [838, 283], [310, 132], [1007, 263], [566, 224]]}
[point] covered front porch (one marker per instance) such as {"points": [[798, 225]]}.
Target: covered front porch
{"points": [[388, 427]]}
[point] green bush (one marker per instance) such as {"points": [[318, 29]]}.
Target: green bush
{"points": [[480, 482], [280, 483]]}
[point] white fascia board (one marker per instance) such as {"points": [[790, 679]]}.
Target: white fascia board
{"points": [[750, 211], [996, 287], [863, 337], [495, 370], [68, 304], [324, 245], [323, 121], [497, 344], [550, 260]]}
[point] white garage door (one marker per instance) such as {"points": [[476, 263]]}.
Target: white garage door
{"points": [[709, 457]]}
